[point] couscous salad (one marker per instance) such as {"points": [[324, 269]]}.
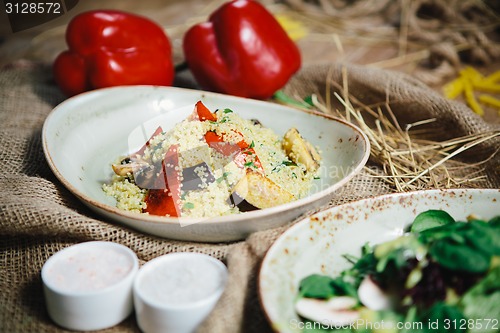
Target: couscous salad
{"points": [[213, 164]]}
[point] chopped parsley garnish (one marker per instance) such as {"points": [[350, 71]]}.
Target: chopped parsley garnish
{"points": [[188, 205], [288, 163], [282, 164], [252, 144], [223, 177], [228, 111], [250, 164]]}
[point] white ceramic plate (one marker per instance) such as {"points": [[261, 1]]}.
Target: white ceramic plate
{"points": [[317, 243], [85, 134]]}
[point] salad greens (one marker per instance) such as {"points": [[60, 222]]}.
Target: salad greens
{"points": [[442, 275]]}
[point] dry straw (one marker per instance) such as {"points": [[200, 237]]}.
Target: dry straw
{"points": [[404, 157], [407, 160]]}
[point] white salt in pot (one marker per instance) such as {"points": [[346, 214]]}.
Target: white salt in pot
{"points": [[88, 286], [174, 293]]}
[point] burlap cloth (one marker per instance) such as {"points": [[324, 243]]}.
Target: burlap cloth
{"points": [[38, 216]]}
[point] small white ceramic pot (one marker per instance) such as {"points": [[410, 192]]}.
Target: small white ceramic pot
{"points": [[88, 286], [174, 293]]}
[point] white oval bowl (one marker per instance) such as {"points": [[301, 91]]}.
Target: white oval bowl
{"points": [[83, 135], [317, 243]]}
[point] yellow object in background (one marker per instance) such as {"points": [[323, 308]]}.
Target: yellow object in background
{"points": [[453, 89], [295, 29], [471, 99], [490, 100], [470, 81]]}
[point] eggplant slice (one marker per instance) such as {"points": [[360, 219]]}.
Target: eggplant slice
{"points": [[196, 177]]}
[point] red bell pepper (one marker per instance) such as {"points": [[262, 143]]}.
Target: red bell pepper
{"points": [[248, 159], [242, 153], [203, 112], [242, 50], [217, 143], [164, 198], [110, 48]]}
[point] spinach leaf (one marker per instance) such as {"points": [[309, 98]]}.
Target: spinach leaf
{"points": [[484, 307], [316, 286], [463, 246], [482, 300], [450, 231], [343, 288], [324, 287], [361, 267], [495, 222], [365, 265], [460, 257], [483, 237], [430, 219]]}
